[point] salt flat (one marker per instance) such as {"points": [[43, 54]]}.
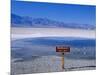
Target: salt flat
{"points": [[41, 64], [50, 64], [19, 33]]}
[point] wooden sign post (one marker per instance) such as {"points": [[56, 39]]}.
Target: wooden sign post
{"points": [[62, 50]]}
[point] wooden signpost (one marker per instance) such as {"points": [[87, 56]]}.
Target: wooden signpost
{"points": [[62, 50]]}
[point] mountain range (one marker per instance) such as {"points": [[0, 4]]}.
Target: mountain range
{"points": [[25, 21]]}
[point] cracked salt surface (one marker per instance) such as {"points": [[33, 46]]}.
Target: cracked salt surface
{"points": [[50, 64]]}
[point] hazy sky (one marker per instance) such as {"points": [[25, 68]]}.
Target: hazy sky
{"points": [[69, 13]]}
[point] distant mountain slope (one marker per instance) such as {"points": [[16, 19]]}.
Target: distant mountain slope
{"points": [[19, 21]]}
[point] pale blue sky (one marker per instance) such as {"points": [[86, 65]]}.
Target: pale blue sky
{"points": [[69, 13]]}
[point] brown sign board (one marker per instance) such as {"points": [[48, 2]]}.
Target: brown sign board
{"points": [[63, 49]]}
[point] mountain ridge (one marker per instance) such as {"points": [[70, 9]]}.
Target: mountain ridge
{"points": [[25, 21]]}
